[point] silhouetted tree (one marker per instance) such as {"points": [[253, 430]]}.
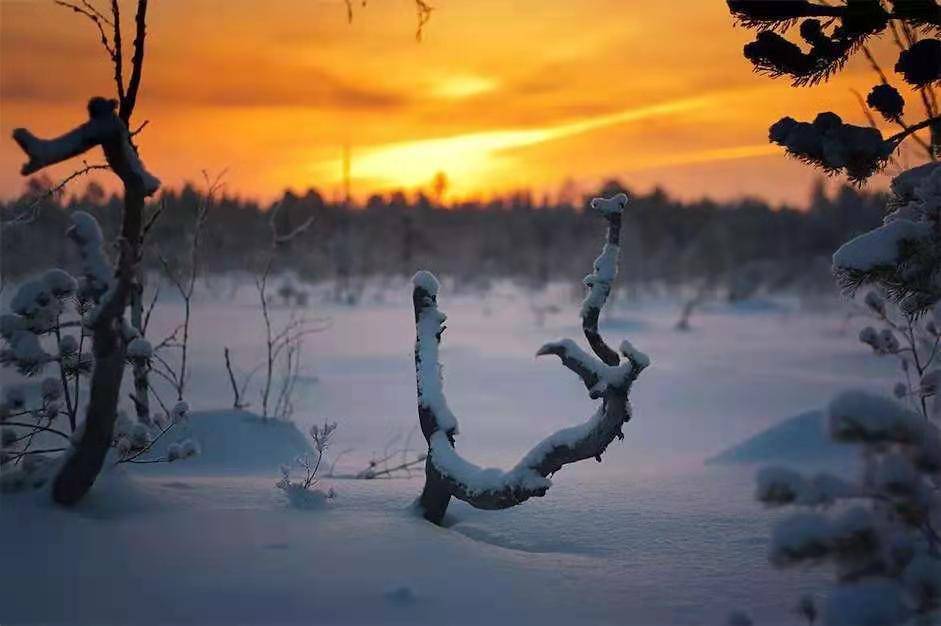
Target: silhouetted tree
{"points": [[831, 33], [108, 126]]}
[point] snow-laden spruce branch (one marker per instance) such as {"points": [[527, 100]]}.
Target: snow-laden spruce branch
{"points": [[605, 374]]}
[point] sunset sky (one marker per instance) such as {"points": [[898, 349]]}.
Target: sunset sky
{"points": [[499, 95]]}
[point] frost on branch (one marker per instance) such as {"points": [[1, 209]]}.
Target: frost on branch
{"points": [[605, 373]]}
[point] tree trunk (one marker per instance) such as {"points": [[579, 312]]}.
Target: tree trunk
{"points": [[435, 495], [78, 473]]}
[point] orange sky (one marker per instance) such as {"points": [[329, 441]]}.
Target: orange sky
{"points": [[500, 94]]}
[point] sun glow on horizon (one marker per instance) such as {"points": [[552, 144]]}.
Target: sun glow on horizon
{"points": [[493, 100], [478, 157]]}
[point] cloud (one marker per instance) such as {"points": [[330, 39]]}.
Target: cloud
{"points": [[478, 155]]}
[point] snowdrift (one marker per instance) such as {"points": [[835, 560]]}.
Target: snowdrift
{"points": [[233, 442], [799, 439]]}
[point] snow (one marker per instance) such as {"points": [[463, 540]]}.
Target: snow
{"points": [[68, 344], [59, 282], [427, 281], [600, 280], [428, 327], [231, 442], [605, 267], [866, 603], [139, 348], [86, 233], [800, 537], [27, 349], [864, 416], [905, 184], [795, 441], [649, 536], [879, 247], [30, 297], [776, 485], [478, 480], [51, 388], [635, 356], [614, 205]]}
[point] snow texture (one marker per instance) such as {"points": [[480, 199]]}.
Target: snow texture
{"points": [[232, 442], [797, 440], [860, 416], [879, 247], [610, 206], [477, 480], [800, 537], [427, 281], [139, 348], [96, 268], [866, 603], [606, 265], [430, 387], [30, 298], [59, 282], [661, 540]]}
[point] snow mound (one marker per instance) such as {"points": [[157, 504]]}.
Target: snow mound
{"points": [[798, 439], [233, 441]]}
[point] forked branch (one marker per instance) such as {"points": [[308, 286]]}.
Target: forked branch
{"points": [[605, 374]]}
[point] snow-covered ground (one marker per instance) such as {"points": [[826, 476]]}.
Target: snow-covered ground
{"points": [[649, 536]]}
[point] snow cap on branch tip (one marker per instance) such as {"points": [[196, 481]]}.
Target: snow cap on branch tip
{"points": [[85, 228], [859, 416], [427, 281], [638, 358], [610, 206], [30, 297], [59, 282]]}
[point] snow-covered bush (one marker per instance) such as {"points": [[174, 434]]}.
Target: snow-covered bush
{"points": [[48, 331], [882, 536], [880, 530], [302, 493]]}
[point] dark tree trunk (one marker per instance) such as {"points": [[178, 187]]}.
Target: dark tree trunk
{"points": [[103, 128], [81, 468]]}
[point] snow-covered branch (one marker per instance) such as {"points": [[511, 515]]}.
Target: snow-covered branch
{"points": [[104, 129], [606, 376], [600, 280]]}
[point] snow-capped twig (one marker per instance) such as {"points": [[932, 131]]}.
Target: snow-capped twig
{"points": [[600, 280], [607, 377]]}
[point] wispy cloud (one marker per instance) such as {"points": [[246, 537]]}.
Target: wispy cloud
{"points": [[476, 155]]}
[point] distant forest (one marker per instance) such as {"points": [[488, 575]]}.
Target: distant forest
{"points": [[739, 246]]}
